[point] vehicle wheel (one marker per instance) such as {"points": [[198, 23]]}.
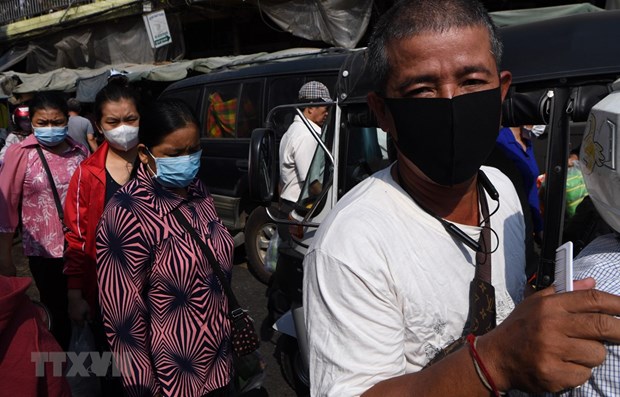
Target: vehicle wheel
{"points": [[259, 230], [289, 358]]}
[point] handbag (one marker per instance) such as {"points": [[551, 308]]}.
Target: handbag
{"points": [[244, 337]]}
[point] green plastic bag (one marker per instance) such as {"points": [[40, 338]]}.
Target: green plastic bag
{"points": [[575, 189]]}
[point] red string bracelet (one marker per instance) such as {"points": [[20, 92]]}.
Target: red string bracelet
{"points": [[481, 370]]}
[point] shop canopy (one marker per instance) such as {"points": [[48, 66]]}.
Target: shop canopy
{"points": [[87, 82]]}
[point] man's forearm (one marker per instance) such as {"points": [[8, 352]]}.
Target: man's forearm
{"points": [[455, 375], [92, 142], [550, 342]]}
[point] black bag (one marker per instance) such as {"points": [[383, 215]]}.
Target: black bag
{"points": [[61, 213], [244, 337]]}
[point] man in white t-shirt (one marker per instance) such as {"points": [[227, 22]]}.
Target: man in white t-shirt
{"points": [[298, 145], [387, 278]]}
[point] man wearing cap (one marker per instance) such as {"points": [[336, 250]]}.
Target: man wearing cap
{"points": [[296, 152], [298, 146]]}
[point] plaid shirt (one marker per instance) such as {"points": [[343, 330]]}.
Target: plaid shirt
{"points": [[601, 261], [221, 116]]}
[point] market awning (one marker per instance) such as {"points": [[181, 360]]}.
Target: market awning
{"points": [[87, 82]]}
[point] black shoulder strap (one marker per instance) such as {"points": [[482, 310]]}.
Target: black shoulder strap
{"points": [[61, 213], [233, 305]]}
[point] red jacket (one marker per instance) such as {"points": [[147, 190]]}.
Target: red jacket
{"points": [[22, 336], [83, 207]]}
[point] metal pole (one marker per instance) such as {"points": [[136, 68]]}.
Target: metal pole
{"points": [[555, 192]]}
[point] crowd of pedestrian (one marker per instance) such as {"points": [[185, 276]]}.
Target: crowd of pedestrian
{"points": [[128, 269], [415, 283]]}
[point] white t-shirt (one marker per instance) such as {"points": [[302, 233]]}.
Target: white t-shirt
{"points": [[296, 151], [386, 287]]}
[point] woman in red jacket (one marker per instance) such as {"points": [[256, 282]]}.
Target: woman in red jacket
{"points": [[92, 185]]}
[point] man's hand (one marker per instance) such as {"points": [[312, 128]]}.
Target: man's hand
{"points": [[315, 188], [552, 341]]}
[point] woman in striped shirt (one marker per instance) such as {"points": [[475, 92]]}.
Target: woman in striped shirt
{"points": [[163, 307]]}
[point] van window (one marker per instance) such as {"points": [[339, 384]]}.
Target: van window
{"points": [[188, 95], [249, 109], [283, 90], [232, 110]]}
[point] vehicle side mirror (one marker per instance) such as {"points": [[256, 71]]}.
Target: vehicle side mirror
{"points": [[262, 165]]}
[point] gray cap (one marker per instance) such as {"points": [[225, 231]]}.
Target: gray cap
{"points": [[314, 91]]}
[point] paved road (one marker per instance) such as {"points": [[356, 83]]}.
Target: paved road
{"points": [[251, 296]]}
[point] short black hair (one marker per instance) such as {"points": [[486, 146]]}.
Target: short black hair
{"points": [[114, 91], [74, 105], [48, 100], [163, 117], [408, 18]]}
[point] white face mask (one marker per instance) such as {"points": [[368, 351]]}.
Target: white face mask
{"points": [[538, 130], [123, 137]]}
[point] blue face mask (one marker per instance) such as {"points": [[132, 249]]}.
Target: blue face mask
{"points": [[50, 136], [177, 172]]}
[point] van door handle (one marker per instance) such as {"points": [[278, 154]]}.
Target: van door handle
{"points": [[242, 165]]}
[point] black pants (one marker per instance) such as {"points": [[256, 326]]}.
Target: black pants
{"points": [[277, 302], [52, 286], [283, 229], [111, 385]]}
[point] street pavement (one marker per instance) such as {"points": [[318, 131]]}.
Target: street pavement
{"points": [[251, 296]]}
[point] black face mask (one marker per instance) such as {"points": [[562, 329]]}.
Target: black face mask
{"points": [[447, 139]]}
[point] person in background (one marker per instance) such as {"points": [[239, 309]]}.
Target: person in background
{"points": [[575, 191], [22, 336], [162, 304], [575, 185], [298, 145], [80, 128], [600, 259], [296, 151], [91, 187], [21, 129], [408, 275], [28, 195], [516, 144], [3, 135], [586, 223]]}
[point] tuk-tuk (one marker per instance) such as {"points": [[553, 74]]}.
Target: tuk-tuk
{"points": [[561, 68]]}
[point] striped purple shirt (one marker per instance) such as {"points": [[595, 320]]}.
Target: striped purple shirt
{"points": [[164, 310]]}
